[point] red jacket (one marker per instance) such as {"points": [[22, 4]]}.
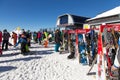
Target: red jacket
{"points": [[0, 36], [39, 35]]}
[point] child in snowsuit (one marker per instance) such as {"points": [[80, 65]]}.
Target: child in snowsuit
{"points": [[23, 41]]}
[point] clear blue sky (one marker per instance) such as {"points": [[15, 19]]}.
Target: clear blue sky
{"points": [[36, 14]]}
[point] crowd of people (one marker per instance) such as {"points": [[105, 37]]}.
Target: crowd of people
{"points": [[24, 38]]}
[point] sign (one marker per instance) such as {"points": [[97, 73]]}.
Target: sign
{"points": [[83, 31], [71, 31], [86, 26]]}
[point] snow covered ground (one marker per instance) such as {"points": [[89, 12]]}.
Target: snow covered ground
{"points": [[44, 64]]}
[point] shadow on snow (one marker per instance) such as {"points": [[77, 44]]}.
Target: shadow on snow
{"points": [[92, 73], [43, 52], [27, 58], [21, 59], [10, 54], [6, 68]]}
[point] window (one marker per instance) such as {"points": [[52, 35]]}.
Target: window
{"points": [[64, 19]]}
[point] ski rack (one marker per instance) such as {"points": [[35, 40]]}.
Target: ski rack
{"points": [[76, 32], [80, 31], [101, 70]]}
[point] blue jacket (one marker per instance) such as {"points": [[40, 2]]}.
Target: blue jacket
{"points": [[119, 41], [21, 40]]}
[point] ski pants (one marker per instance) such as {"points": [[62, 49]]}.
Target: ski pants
{"points": [[57, 45], [23, 47], [5, 42]]}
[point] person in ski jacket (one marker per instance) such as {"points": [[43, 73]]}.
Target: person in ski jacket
{"points": [[5, 37], [14, 37], [58, 40], [116, 64], [28, 36], [23, 41], [35, 37], [39, 37], [0, 42]]}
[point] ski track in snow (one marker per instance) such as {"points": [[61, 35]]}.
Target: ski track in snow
{"points": [[44, 64]]}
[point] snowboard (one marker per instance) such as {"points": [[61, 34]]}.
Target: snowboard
{"points": [[82, 49], [62, 49], [93, 63]]}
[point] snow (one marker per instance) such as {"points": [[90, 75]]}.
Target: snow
{"points": [[114, 11], [44, 64]]}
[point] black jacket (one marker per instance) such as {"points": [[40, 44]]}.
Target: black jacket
{"points": [[6, 36], [58, 37]]}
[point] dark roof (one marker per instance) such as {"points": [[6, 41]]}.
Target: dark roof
{"points": [[79, 19]]}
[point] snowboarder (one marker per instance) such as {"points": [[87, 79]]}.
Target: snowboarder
{"points": [[24, 46]]}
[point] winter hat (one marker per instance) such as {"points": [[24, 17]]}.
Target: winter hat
{"points": [[22, 35], [5, 30]]}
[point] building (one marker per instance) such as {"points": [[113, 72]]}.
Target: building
{"points": [[107, 17], [70, 21]]}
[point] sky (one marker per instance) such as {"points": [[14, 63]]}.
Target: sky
{"points": [[40, 14]]}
